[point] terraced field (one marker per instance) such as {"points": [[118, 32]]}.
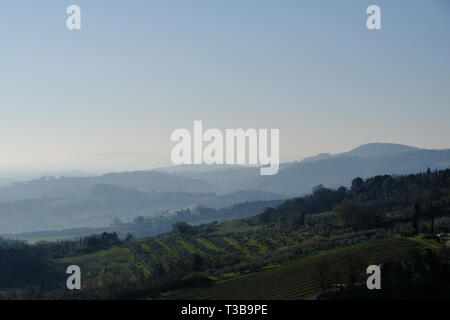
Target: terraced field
{"points": [[300, 279]]}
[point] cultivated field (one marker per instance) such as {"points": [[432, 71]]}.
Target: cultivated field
{"points": [[300, 279]]}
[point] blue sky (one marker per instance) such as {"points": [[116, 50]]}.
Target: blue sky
{"points": [[140, 69]]}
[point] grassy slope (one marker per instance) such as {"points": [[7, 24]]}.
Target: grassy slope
{"points": [[95, 266], [299, 280]]}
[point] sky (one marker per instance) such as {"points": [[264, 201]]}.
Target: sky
{"points": [[110, 95]]}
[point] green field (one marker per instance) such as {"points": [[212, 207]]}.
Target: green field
{"points": [[104, 263], [299, 280]]}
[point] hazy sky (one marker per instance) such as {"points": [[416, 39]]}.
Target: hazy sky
{"points": [[140, 69]]}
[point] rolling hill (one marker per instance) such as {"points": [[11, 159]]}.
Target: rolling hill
{"points": [[295, 249], [298, 280], [298, 178], [72, 202]]}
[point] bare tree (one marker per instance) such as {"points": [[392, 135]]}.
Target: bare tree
{"points": [[323, 270], [353, 267]]}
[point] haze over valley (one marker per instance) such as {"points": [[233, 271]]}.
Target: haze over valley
{"points": [[65, 202]]}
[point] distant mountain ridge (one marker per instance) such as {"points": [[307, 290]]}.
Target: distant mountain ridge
{"points": [[340, 170], [68, 202], [298, 178], [379, 150], [368, 150], [140, 180]]}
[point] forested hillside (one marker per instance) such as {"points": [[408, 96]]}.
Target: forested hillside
{"points": [[390, 216]]}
